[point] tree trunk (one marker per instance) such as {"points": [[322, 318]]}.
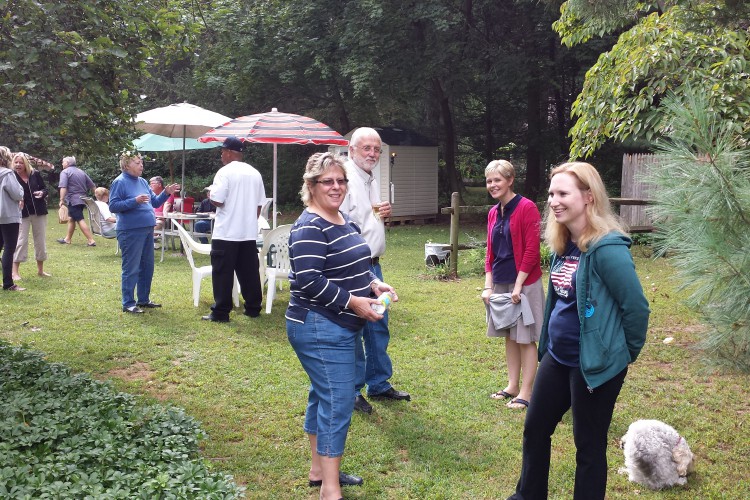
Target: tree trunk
{"points": [[455, 183], [534, 157]]}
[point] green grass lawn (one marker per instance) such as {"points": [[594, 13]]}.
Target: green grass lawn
{"points": [[244, 383]]}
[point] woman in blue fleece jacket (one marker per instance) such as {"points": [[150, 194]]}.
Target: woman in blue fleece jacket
{"points": [[595, 324], [133, 200]]}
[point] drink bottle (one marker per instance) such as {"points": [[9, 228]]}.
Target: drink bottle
{"points": [[384, 303]]}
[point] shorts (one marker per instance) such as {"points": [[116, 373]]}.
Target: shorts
{"points": [[76, 212]]}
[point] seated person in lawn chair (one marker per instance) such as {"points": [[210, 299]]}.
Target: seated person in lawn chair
{"points": [[206, 207]]}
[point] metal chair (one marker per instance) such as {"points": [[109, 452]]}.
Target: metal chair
{"points": [[190, 246], [276, 251], [95, 221]]}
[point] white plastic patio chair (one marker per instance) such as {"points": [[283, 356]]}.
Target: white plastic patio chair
{"points": [[190, 246], [276, 241]]}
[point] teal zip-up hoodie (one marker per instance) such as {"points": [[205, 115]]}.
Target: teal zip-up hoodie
{"points": [[614, 329]]}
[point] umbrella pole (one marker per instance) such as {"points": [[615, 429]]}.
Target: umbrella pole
{"points": [[182, 186], [275, 196]]}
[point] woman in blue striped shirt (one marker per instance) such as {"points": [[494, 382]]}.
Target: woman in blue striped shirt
{"points": [[331, 298]]}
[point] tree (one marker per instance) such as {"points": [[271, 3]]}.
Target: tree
{"points": [[702, 214], [664, 47], [70, 70]]}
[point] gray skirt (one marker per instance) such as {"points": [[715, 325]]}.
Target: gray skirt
{"points": [[521, 333]]}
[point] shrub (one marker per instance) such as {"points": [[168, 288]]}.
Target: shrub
{"points": [[64, 435]]}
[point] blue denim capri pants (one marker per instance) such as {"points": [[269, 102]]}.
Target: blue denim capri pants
{"points": [[326, 351]]}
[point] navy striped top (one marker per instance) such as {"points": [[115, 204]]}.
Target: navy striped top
{"points": [[330, 263]]}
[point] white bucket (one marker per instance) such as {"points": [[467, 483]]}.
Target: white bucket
{"points": [[436, 254]]}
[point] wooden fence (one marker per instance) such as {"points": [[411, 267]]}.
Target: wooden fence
{"points": [[634, 198], [635, 190]]}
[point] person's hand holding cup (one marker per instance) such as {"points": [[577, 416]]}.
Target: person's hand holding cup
{"points": [[382, 209], [143, 198], [38, 194]]}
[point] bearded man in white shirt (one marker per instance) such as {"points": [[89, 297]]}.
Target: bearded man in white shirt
{"points": [[364, 206]]}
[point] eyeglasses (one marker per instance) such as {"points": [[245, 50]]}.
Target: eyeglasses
{"points": [[329, 182], [370, 149]]}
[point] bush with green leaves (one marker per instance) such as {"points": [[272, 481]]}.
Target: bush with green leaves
{"points": [[702, 215], [65, 435]]}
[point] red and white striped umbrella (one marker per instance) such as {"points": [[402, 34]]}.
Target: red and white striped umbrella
{"points": [[275, 128]]}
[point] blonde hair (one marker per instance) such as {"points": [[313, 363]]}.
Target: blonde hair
{"points": [[317, 165], [600, 219], [5, 157], [26, 163], [502, 167], [101, 192]]}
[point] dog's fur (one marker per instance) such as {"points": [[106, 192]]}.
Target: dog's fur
{"points": [[656, 456]]}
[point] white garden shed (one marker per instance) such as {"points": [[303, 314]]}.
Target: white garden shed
{"points": [[407, 173]]}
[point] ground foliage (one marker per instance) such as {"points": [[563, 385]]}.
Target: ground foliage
{"points": [[64, 435]]}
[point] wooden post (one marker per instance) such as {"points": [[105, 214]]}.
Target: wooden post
{"points": [[456, 211]]}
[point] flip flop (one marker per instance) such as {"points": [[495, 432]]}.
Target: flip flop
{"points": [[518, 401], [502, 395]]}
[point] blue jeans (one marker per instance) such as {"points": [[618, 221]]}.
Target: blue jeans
{"points": [[326, 352], [202, 226], [558, 388], [374, 366], [137, 246]]}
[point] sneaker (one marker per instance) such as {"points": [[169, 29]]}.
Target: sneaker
{"points": [[132, 310], [62, 241]]}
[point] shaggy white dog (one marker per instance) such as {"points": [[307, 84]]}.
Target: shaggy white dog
{"points": [[656, 456]]}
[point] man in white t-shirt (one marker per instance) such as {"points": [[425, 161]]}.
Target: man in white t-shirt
{"points": [[238, 195]]}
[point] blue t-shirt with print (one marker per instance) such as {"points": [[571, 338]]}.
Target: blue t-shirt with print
{"points": [[564, 325]]}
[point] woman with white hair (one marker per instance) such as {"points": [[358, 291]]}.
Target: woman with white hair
{"points": [[33, 216], [133, 201], [11, 200]]}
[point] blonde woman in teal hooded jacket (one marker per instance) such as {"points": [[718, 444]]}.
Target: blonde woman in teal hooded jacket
{"points": [[595, 324]]}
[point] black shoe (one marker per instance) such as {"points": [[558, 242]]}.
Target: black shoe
{"points": [[361, 404], [344, 480], [132, 310], [148, 305], [211, 317], [392, 393], [252, 314]]}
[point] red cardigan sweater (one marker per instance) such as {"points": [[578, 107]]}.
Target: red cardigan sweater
{"points": [[525, 227]]}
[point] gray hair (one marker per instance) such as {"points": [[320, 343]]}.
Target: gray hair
{"points": [[70, 161], [362, 133], [158, 179]]}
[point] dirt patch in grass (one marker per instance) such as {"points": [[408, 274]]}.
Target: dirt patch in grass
{"points": [[134, 372]]}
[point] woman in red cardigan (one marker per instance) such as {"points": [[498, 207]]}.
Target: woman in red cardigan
{"points": [[513, 280]]}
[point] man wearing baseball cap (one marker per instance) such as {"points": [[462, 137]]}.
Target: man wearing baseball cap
{"points": [[238, 194]]}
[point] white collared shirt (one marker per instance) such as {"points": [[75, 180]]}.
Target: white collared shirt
{"points": [[362, 194]]}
